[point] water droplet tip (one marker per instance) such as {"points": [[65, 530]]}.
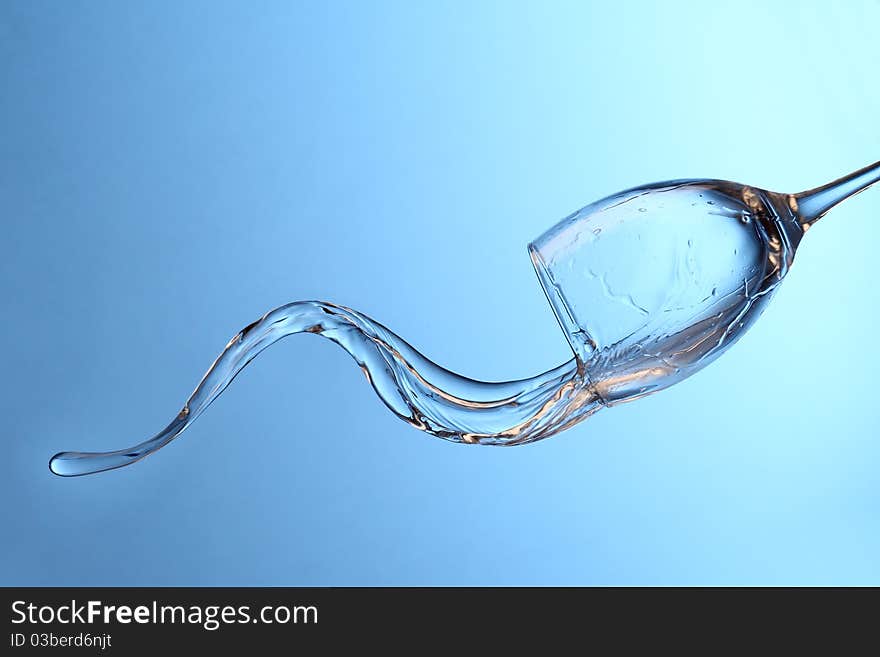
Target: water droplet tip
{"points": [[61, 463]]}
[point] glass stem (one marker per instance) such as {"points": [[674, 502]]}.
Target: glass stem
{"points": [[814, 203]]}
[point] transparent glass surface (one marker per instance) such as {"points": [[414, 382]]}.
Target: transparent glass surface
{"points": [[654, 283]]}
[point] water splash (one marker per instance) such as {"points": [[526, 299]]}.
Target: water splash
{"points": [[649, 286], [417, 390]]}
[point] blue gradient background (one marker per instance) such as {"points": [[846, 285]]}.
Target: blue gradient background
{"points": [[170, 171]]}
